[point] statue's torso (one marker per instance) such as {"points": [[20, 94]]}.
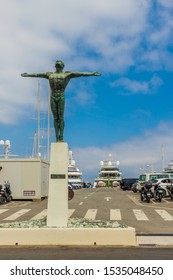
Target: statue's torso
{"points": [[58, 83]]}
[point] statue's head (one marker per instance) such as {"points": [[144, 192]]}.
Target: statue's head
{"points": [[59, 64]]}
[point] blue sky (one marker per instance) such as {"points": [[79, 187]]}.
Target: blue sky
{"points": [[127, 111]]}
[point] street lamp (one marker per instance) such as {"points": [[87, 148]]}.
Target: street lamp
{"points": [[151, 167], [6, 145]]}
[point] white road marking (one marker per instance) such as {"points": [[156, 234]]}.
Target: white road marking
{"points": [[19, 203], [70, 212], [91, 214], [135, 200], [17, 214], [3, 210], [165, 215], [107, 198], [165, 200], [80, 203], [152, 201], [90, 194], [115, 214], [140, 215], [40, 215]]}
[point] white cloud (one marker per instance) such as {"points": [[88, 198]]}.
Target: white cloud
{"points": [[37, 32], [156, 55], [133, 154], [88, 35], [166, 3], [108, 36], [136, 87]]}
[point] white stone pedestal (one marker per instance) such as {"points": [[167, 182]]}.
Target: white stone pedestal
{"points": [[57, 212]]}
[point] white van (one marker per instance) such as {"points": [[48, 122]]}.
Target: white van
{"points": [[150, 176], [170, 175]]}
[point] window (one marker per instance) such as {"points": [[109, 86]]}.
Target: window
{"points": [[142, 178]]}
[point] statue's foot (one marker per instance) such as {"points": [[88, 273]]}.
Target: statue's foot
{"points": [[59, 139]]}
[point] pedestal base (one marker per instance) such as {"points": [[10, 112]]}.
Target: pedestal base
{"points": [[57, 212]]}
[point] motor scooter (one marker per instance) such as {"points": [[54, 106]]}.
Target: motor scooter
{"points": [[70, 192], [158, 193], [170, 191], [146, 193], [5, 192], [2, 198]]}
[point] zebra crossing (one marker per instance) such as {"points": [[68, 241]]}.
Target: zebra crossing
{"points": [[140, 215], [114, 214], [40, 215], [16, 215]]}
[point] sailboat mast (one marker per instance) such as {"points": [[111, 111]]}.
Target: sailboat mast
{"points": [[38, 136], [162, 151], [34, 152], [48, 125]]}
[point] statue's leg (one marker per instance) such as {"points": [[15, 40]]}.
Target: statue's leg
{"points": [[54, 109], [61, 116]]}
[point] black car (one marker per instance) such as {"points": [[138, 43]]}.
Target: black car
{"points": [[127, 183]]}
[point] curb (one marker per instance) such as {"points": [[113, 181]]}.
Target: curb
{"points": [[68, 236], [155, 240]]}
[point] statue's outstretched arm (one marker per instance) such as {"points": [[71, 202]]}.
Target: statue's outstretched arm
{"points": [[35, 75], [80, 74]]}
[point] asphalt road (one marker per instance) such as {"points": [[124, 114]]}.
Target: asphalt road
{"points": [[85, 253], [103, 204], [126, 208]]}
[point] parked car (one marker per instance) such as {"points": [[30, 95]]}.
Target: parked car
{"points": [[163, 183], [88, 185], [127, 183], [136, 187]]}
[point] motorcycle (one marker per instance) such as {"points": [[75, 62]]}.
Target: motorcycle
{"points": [[2, 198], [70, 192], [170, 191], [5, 193], [158, 193], [146, 193]]}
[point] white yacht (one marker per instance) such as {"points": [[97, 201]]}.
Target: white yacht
{"points": [[74, 173], [109, 174], [169, 168]]}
